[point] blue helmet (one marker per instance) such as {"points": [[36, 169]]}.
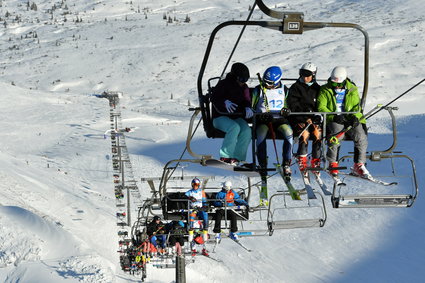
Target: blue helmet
{"points": [[272, 76]]}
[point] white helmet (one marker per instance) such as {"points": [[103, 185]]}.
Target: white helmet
{"points": [[339, 74], [227, 185], [309, 67]]}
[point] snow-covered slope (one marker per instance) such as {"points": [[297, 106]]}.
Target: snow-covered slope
{"points": [[57, 213]]}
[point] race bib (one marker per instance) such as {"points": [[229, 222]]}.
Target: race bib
{"points": [[275, 99]]}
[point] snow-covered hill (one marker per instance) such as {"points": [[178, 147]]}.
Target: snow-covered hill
{"points": [[57, 213]]}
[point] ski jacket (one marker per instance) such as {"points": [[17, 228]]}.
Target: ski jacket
{"points": [[199, 195], [269, 100], [229, 89], [302, 98], [326, 101], [231, 197], [154, 227]]}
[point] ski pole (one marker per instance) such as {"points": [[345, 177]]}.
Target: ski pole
{"points": [[272, 133], [305, 129]]}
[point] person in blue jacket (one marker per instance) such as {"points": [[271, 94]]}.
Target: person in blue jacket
{"points": [[227, 198]]}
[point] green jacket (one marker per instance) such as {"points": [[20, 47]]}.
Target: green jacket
{"points": [[326, 101]]}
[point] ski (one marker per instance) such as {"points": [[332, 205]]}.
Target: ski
{"points": [[371, 179], [295, 195], [208, 256], [309, 190], [322, 185], [240, 244], [212, 258], [245, 170]]}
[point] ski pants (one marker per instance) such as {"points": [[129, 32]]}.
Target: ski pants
{"points": [[162, 239], [315, 132], [237, 138], [172, 240], [230, 215], [201, 215], [285, 130], [359, 137]]}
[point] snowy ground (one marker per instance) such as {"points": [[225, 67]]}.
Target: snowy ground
{"points": [[57, 213]]}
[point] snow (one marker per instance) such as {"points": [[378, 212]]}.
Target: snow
{"points": [[57, 205]]}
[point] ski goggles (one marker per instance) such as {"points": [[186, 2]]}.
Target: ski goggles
{"points": [[242, 79], [270, 84], [338, 85]]}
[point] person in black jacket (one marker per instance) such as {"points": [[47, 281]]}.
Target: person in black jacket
{"points": [[231, 107], [155, 230], [302, 97]]}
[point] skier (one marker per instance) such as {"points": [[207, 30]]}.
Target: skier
{"points": [[176, 231], [340, 94], [231, 106], [198, 207], [227, 197], [269, 98], [302, 97], [155, 230]]}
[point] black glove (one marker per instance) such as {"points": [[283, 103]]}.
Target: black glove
{"points": [[285, 112], [353, 121], [192, 199], [339, 119], [317, 119], [265, 118]]}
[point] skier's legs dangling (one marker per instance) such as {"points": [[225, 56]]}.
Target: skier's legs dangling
{"points": [[243, 140], [232, 130]]}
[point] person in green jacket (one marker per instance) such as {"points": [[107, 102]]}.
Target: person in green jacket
{"points": [[340, 94]]}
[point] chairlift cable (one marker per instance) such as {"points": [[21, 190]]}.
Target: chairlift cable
{"points": [[385, 106], [239, 38]]}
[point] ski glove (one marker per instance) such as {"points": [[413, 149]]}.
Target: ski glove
{"points": [[192, 199], [353, 121], [230, 106], [285, 112], [248, 113], [317, 119], [339, 119], [265, 118]]}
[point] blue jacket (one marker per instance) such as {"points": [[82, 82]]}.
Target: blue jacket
{"points": [[231, 197]]}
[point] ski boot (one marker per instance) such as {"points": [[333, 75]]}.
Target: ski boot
{"points": [[302, 163], [287, 169], [234, 236], [333, 172], [359, 169], [315, 163], [205, 252], [218, 238]]}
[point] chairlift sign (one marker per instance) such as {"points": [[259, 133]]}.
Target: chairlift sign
{"points": [[293, 22]]}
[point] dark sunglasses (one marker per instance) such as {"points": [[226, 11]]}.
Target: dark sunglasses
{"points": [[337, 85]]}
